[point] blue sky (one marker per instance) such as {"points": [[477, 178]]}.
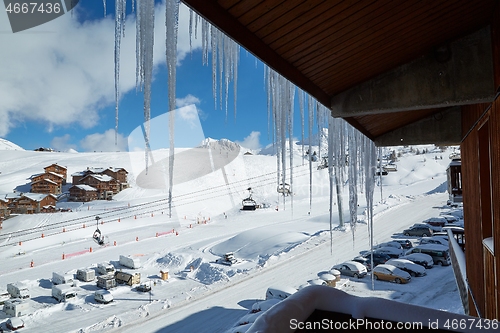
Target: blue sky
{"points": [[57, 84]]}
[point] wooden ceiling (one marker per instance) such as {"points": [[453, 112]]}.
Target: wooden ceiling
{"points": [[327, 47]]}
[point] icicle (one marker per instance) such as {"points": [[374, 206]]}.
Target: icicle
{"points": [[290, 109], [146, 41], [171, 23], [104, 5], [213, 33], [235, 64], [331, 143], [301, 106], [353, 179], [119, 31], [191, 15], [310, 109], [220, 53]]}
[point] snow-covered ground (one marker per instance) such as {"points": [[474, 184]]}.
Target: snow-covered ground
{"points": [[286, 242]]}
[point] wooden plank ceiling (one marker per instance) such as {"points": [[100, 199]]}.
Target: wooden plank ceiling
{"points": [[326, 47]]}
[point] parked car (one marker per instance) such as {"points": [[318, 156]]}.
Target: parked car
{"points": [[434, 228], [389, 244], [450, 218], [14, 323], [436, 221], [442, 234], [378, 257], [364, 261], [103, 296], [280, 292], [408, 266], [143, 288], [351, 268], [439, 253], [390, 251], [390, 273], [422, 259], [434, 240], [405, 243], [418, 230]]}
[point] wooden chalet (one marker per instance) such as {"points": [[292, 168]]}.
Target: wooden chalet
{"points": [[46, 186], [58, 169], [405, 72], [119, 174], [31, 203], [4, 209], [105, 185], [82, 192]]}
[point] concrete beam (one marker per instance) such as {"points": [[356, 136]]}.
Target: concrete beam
{"points": [[442, 128], [457, 73]]}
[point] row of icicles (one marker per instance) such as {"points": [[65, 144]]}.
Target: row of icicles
{"points": [[344, 142]]}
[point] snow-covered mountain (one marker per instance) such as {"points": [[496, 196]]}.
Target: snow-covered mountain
{"points": [[7, 145]]}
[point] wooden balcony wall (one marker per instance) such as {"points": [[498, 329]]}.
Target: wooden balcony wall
{"points": [[480, 215]]}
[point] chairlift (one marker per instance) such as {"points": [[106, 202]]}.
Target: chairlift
{"points": [[98, 237], [324, 163], [249, 203], [284, 189]]}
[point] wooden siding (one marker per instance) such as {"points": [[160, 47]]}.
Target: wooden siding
{"points": [[470, 115], [472, 212], [495, 189], [481, 190]]}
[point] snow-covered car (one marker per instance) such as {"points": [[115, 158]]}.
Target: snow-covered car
{"points": [[364, 261], [390, 273], [396, 245], [279, 292], [14, 323], [434, 228], [440, 254], [418, 230], [434, 240], [103, 296], [450, 218], [143, 288], [351, 268], [408, 266], [436, 221], [422, 259], [405, 243], [390, 251]]}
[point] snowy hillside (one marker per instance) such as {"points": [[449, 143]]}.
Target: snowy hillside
{"points": [[285, 241], [7, 145]]}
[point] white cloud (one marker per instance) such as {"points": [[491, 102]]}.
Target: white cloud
{"points": [[251, 141], [189, 113], [104, 142], [62, 72], [62, 143]]}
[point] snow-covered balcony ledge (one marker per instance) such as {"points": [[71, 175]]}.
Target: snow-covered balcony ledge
{"points": [[325, 309], [488, 243], [459, 268]]}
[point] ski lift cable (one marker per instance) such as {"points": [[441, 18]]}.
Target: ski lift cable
{"points": [[119, 212]]}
